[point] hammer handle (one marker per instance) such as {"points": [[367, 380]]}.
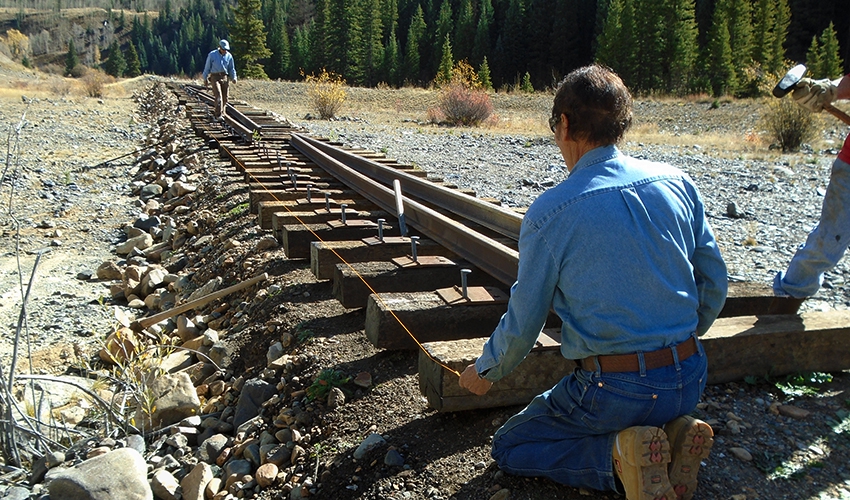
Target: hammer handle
{"points": [[841, 115]]}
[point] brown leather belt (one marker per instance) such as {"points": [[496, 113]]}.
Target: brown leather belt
{"points": [[631, 363]]}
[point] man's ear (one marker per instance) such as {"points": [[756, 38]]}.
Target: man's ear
{"points": [[565, 127]]}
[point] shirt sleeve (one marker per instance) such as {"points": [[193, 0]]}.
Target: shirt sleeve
{"points": [[231, 68], [207, 67], [709, 271], [528, 308]]}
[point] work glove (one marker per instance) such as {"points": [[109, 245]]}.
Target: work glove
{"points": [[814, 94], [233, 81]]}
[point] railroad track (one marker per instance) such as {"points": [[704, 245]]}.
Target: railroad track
{"points": [[415, 251]]}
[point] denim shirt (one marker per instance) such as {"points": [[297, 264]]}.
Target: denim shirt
{"points": [[622, 252], [218, 63]]}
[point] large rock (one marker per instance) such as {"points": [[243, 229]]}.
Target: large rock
{"points": [[139, 242], [176, 399], [253, 395], [117, 475], [195, 482]]}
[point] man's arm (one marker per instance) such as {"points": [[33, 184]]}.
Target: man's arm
{"points": [[207, 68], [231, 69], [710, 271]]}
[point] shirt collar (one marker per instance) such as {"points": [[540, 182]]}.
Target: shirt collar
{"points": [[597, 155]]}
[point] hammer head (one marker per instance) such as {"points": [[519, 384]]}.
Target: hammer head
{"points": [[788, 81]]}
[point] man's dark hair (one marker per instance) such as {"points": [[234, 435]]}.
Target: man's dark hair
{"points": [[597, 104]]}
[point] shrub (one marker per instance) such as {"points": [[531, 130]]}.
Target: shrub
{"points": [[326, 92], [462, 105], [93, 83], [788, 125]]}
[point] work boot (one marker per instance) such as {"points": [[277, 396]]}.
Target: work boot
{"points": [[641, 455], [690, 441], [784, 305]]}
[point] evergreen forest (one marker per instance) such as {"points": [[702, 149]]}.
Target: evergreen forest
{"points": [[721, 47]]}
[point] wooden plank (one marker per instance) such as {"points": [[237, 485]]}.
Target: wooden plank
{"points": [[736, 347], [255, 197], [296, 238], [429, 319], [324, 256], [384, 277], [777, 345], [542, 369], [284, 218], [426, 312]]}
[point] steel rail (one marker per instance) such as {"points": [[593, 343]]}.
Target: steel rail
{"points": [[489, 255], [503, 221], [241, 124]]}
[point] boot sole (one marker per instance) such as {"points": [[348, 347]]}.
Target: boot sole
{"points": [[651, 458], [691, 443]]}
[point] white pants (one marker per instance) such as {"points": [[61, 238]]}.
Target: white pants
{"points": [[826, 243]]}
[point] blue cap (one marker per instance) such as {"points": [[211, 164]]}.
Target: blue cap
{"points": [[224, 45]]}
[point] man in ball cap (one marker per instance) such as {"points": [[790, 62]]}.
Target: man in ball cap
{"points": [[218, 68]]}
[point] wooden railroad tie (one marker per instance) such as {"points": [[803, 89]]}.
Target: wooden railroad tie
{"points": [[754, 344]]}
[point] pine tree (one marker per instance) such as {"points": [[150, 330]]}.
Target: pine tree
{"points": [[720, 68], [526, 86], [776, 63], [300, 62], [682, 49], [740, 35], [248, 39], [390, 68], [373, 47], [481, 46], [813, 59], [278, 40], [319, 53], [411, 52], [444, 71], [650, 56], [115, 64], [133, 65], [484, 75], [615, 46], [764, 20], [444, 26], [831, 64], [71, 58], [464, 35]]}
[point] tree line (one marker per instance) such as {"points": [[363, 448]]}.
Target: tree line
{"points": [[657, 46]]}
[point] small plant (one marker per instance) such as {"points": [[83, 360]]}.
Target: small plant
{"points": [[239, 209], [462, 105], [327, 93], [803, 384], [326, 380], [788, 125], [303, 334]]}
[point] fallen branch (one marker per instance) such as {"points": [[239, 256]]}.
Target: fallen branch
{"points": [[156, 318]]}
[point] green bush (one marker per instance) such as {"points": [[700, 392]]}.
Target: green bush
{"points": [[788, 125], [462, 105]]}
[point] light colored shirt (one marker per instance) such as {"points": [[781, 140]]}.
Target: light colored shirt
{"points": [[220, 63], [622, 252]]}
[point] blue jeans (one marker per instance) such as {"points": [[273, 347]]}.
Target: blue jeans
{"points": [[567, 433]]}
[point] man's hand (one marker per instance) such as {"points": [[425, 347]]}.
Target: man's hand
{"points": [[814, 94], [470, 381]]}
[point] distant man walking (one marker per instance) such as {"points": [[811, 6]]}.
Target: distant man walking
{"points": [[218, 68]]}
